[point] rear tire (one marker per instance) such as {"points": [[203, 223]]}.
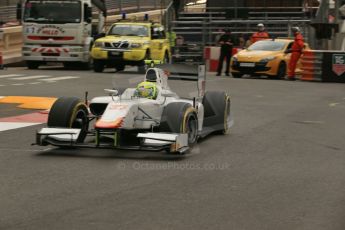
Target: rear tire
{"points": [[98, 66], [32, 64], [69, 112], [217, 111], [180, 117]]}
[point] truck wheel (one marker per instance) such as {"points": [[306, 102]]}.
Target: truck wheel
{"points": [[180, 117], [217, 111], [32, 64], [98, 66], [69, 112]]}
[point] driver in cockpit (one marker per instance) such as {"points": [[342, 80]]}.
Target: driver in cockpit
{"points": [[148, 89]]}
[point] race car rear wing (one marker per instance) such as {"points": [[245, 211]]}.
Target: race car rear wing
{"points": [[187, 73]]}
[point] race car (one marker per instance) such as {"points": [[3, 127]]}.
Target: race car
{"points": [[148, 117], [265, 57]]}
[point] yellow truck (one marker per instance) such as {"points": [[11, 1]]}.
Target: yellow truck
{"points": [[130, 43]]}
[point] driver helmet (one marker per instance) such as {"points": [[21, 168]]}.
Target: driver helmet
{"points": [[146, 90]]}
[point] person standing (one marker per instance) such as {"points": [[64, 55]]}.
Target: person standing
{"points": [[177, 5], [226, 41], [260, 34], [296, 52], [310, 7]]}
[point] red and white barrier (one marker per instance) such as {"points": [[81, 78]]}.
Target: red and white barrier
{"points": [[211, 56], [50, 50]]}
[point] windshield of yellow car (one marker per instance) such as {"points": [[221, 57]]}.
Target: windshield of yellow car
{"points": [[129, 30], [267, 46]]}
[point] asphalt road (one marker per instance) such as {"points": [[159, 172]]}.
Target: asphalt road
{"points": [[282, 166]]}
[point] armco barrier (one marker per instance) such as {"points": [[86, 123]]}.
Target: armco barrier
{"points": [[325, 66], [211, 56]]}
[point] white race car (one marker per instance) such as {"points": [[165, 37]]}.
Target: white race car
{"points": [[126, 120]]}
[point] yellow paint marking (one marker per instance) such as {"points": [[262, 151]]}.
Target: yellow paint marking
{"points": [[29, 102]]}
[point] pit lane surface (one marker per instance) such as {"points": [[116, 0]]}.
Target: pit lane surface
{"points": [[282, 166]]}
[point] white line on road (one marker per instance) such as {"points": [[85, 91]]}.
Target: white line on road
{"points": [[35, 83], [14, 125], [31, 77], [10, 75], [17, 84], [59, 78]]}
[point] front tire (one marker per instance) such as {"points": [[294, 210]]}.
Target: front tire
{"points": [[69, 112], [98, 66], [281, 70], [32, 64], [180, 117]]}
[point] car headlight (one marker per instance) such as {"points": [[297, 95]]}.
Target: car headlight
{"points": [[99, 44], [267, 59], [136, 45]]}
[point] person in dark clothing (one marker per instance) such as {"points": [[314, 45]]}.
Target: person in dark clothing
{"points": [[177, 5], [226, 41]]}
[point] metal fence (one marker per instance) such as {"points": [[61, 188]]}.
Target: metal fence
{"points": [[7, 14]]}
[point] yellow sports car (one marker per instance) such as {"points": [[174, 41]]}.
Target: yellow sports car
{"points": [[265, 57]]}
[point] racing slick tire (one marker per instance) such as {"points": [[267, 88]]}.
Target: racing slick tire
{"points": [[32, 64], [98, 66], [217, 111], [69, 112], [180, 117]]}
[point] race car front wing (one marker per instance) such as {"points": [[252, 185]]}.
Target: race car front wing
{"points": [[68, 137]]}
